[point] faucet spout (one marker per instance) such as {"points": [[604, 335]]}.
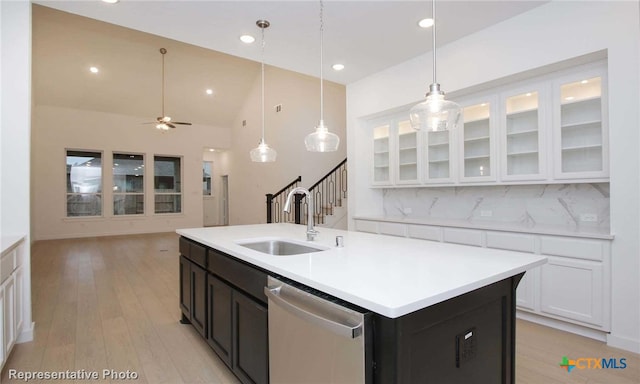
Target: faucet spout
{"points": [[311, 232]]}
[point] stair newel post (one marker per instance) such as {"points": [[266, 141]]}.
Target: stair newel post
{"points": [[269, 207], [297, 207]]}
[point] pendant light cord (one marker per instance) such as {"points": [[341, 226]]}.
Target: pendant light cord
{"points": [[433, 15], [262, 76], [321, 61]]}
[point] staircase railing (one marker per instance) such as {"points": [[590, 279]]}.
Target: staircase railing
{"points": [[276, 201], [328, 193]]}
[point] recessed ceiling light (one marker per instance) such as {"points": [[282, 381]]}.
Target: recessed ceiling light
{"points": [[110, 1], [584, 81], [247, 39], [209, 91], [94, 69], [338, 67], [569, 98], [211, 150], [528, 94], [425, 23]]}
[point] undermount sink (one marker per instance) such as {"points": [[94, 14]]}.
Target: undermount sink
{"points": [[279, 247]]}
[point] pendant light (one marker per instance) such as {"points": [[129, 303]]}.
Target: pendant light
{"points": [[435, 113], [263, 153], [321, 140]]}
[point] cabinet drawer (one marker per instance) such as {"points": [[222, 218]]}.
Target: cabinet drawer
{"points": [[183, 246], [239, 274], [424, 232], [511, 241], [393, 229], [366, 226], [198, 254], [569, 247], [462, 236]]}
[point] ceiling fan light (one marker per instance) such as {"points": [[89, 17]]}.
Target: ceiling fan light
{"points": [[162, 127], [321, 140], [263, 153]]}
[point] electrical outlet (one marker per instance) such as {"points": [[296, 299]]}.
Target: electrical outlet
{"points": [[588, 217], [278, 107], [466, 346], [486, 213]]}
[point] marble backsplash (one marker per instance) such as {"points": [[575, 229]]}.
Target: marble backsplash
{"points": [[575, 206]]}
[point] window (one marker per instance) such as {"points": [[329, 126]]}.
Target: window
{"points": [[207, 172], [128, 184], [84, 183], [167, 184]]}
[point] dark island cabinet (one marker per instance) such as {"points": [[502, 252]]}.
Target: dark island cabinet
{"points": [[223, 298], [193, 280]]}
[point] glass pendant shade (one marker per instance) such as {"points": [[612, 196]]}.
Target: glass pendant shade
{"points": [[321, 140], [263, 153], [435, 113]]}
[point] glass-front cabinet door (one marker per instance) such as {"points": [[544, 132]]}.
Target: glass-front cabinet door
{"points": [[407, 154], [439, 157], [477, 146], [522, 139], [581, 134], [381, 154]]}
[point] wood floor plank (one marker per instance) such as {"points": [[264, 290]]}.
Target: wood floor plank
{"points": [[112, 303]]}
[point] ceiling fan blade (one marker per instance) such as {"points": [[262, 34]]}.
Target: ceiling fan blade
{"points": [[180, 122], [150, 122], [170, 125]]}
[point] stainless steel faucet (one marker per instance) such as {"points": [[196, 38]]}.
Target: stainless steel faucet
{"points": [[311, 233]]}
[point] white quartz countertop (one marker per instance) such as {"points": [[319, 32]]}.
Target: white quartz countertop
{"points": [[391, 276]]}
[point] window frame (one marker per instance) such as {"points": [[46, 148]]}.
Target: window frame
{"points": [[179, 183], [99, 194], [125, 194]]}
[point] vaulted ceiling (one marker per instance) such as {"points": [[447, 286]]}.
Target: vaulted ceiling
{"points": [[204, 51]]}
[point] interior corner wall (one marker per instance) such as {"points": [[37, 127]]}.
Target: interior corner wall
{"points": [[285, 131], [551, 33], [57, 129], [15, 110]]}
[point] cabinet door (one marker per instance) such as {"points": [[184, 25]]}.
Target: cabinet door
{"points": [[408, 151], [526, 292], [3, 355], [185, 287], [199, 299], [580, 126], [8, 288], [219, 323], [522, 137], [19, 300], [439, 157], [381, 153], [250, 340], [477, 152], [573, 289]]}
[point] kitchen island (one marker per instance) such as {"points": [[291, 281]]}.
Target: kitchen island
{"points": [[425, 297]]}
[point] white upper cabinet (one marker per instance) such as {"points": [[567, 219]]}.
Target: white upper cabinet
{"points": [[522, 134], [581, 135], [548, 129], [477, 152], [381, 154], [440, 156], [407, 155]]}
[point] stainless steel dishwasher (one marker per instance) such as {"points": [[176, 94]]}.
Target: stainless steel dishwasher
{"points": [[314, 339]]}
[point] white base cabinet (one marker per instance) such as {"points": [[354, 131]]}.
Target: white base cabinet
{"points": [[573, 287], [11, 289]]}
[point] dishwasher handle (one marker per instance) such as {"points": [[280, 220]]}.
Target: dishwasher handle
{"points": [[315, 317]]}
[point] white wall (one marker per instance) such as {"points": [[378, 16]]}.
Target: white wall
{"points": [[285, 131], [57, 129], [15, 111], [551, 33]]}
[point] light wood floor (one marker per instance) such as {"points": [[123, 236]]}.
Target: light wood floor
{"points": [[112, 303]]}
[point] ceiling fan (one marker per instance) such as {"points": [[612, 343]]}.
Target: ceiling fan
{"points": [[164, 122]]}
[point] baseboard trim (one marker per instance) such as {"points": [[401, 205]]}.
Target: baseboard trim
{"points": [[26, 335], [563, 326], [623, 343]]}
